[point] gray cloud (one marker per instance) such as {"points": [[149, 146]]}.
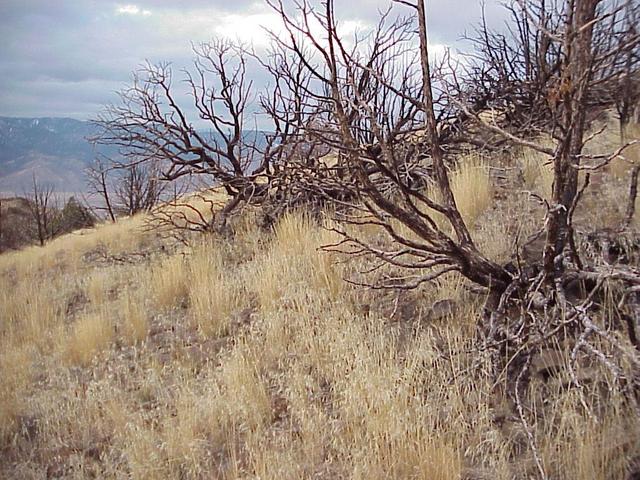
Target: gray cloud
{"points": [[66, 58]]}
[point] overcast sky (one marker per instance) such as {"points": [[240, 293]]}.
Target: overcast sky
{"points": [[66, 58]]}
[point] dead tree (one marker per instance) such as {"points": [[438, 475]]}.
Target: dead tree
{"points": [[547, 78], [43, 209], [586, 46], [138, 187], [126, 188], [373, 104], [372, 101], [99, 185], [626, 87], [150, 125], [514, 71]]}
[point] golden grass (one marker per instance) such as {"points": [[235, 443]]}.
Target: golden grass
{"points": [[597, 447], [620, 167], [184, 438], [473, 192], [98, 286], [124, 235], [214, 293], [537, 172], [193, 208], [169, 282], [472, 188], [15, 369], [248, 403], [143, 455], [293, 261], [492, 241], [135, 320], [310, 384], [633, 134], [30, 311], [89, 335]]}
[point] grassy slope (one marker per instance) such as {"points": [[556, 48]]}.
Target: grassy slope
{"points": [[15, 216], [252, 358]]}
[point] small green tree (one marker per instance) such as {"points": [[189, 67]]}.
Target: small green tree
{"points": [[74, 216]]}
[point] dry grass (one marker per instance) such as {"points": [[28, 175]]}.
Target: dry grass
{"points": [[30, 311], [620, 167], [293, 262], [135, 320], [15, 366], [169, 282], [254, 359], [98, 286], [472, 188], [537, 172], [89, 335], [214, 293]]}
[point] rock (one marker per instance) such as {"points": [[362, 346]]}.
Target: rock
{"points": [[56, 469], [582, 375], [76, 302], [243, 317], [201, 353], [634, 469], [442, 309], [547, 363], [478, 473], [537, 301], [28, 427], [612, 246]]}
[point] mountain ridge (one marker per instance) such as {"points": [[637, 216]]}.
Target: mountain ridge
{"points": [[54, 149]]}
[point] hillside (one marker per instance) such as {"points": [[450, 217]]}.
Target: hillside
{"points": [[15, 219], [125, 355], [20, 228], [56, 150]]}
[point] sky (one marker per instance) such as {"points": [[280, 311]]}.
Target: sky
{"points": [[67, 58]]}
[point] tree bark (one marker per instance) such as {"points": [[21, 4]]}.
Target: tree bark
{"points": [[572, 89], [474, 265]]}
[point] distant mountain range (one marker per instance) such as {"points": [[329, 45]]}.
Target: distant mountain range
{"points": [[55, 149]]}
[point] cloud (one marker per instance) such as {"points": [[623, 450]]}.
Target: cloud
{"points": [[253, 29], [67, 57], [132, 10]]}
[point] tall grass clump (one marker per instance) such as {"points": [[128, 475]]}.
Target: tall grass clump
{"points": [[89, 335], [472, 188], [135, 319], [275, 367], [98, 287], [30, 312], [15, 370], [537, 172], [247, 399], [293, 263], [214, 293], [169, 282]]}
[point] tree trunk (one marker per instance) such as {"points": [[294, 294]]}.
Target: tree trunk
{"points": [[474, 265], [573, 87], [439, 167]]}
